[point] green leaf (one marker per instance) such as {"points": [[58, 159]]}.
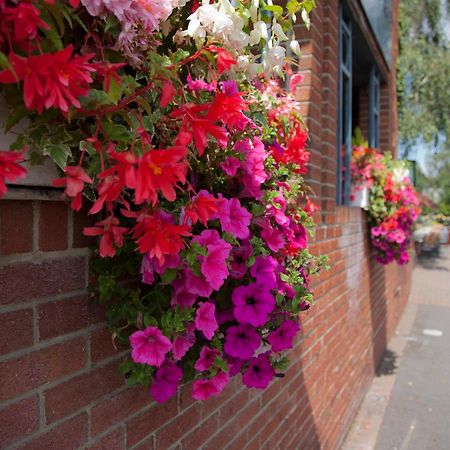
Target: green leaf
{"points": [[116, 132], [95, 98], [168, 276], [15, 116], [59, 153], [277, 10], [293, 6]]}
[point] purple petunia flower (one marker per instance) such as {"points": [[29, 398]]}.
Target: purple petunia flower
{"points": [[282, 338], [241, 341], [252, 304], [259, 373], [165, 382], [264, 270]]}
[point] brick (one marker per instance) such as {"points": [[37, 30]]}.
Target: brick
{"points": [[67, 315], [27, 372], [118, 408], [76, 393], [16, 331], [53, 226], [102, 345], [145, 424], [112, 441], [24, 281], [183, 423], [19, 420], [147, 444], [71, 434], [197, 437], [83, 219], [16, 227]]}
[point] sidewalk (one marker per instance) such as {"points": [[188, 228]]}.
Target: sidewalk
{"points": [[408, 404]]}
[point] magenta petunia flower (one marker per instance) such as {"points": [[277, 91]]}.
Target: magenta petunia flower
{"points": [[282, 338], [205, 319], [234, 218], [149, 346], [272, 237], [165, 382], [259, 373], [240, 256], [183, 342], [241, 341], [265, 270], [214, 265], [203, 389], [197, 285], [231, 165], [150, 265], [252, 304], [206, 359]]}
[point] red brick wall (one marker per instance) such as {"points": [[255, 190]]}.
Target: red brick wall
{"points": [[60, 388]]}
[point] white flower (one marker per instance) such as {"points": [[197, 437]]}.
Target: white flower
{"points": [[274, 58], [259, 32]]}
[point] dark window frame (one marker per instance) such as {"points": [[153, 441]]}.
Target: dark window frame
{"points": [[374, 108], [344, 132]]}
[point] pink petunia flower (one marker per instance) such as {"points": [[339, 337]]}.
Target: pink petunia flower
{"points": [[183, 342], [206, 359], [282, 338], [234, 218], [165, 382], [259, 373], [149, 346], [205, 319], [241, 341], [203, 389], [252, 304]]}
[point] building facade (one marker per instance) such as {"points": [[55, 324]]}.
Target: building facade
{"points": [[60, 387]]}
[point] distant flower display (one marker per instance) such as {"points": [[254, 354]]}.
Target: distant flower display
{"points": [[393, 203]]}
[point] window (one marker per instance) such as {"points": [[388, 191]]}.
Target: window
{"points": [[344, 109], [374, 108]]}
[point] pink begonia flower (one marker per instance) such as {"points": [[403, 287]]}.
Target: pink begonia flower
{"points": [[265, 270], [259, 373], [166, 381], [230, 166], [234, 218], [149, 346], [241, 341], [203, 389], [282, 338], [295, 81], [183, 342], [200, 85], [252, 304], [206, 359], [205, 319]]}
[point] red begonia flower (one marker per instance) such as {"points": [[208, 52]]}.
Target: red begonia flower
{"points": [[9, 168]]}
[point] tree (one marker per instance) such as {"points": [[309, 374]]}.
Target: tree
{"points": [[423, 72]]}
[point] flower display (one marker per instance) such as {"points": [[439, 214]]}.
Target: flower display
{"points": [[393, 203], [167, 121]]}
